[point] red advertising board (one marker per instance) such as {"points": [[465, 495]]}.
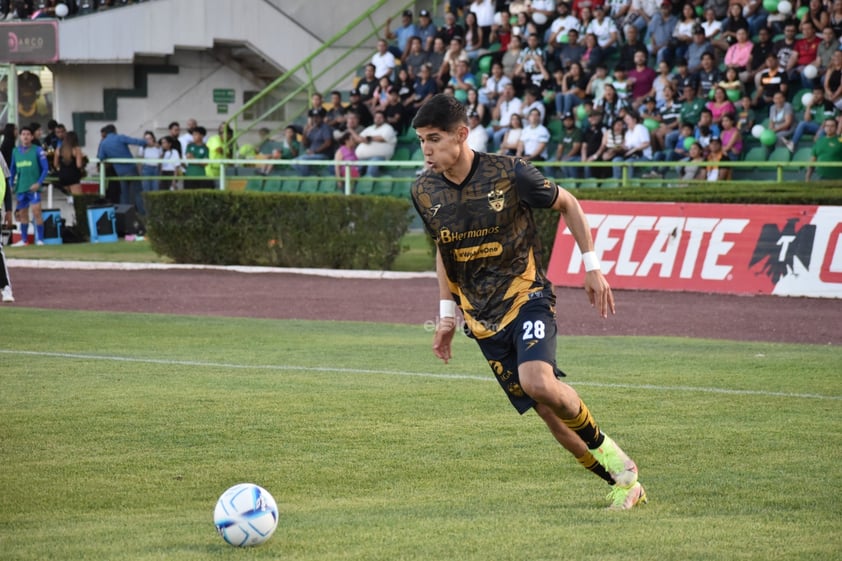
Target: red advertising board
{"points": [[740, 249]]}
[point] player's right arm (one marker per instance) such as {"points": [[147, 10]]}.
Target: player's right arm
{"points": [[445, 326]]}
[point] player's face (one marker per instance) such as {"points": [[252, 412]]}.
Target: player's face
{"points": [[441, 148], [25, 137]]}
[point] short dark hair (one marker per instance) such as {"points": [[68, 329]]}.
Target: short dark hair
{"points": [[108, 129], [173, 124], [201, 130], [441, 111]]}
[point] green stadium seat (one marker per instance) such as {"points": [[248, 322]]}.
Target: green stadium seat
{"points": [[273, 185], [555, 127], [756, 154], [797, 104], [308, 186], [290, 185], [364, 186], [803, 154], [780, 154], [402, 154], [329, 185], [383, 185], [401, 188], [254, 185]]}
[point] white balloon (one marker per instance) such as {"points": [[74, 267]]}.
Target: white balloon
{"points": [[757, 130], [784, 8], [810, 71], [807, 99], [539, 18], [62, 10]]}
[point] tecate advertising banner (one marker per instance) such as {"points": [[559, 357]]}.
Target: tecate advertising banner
{"points": [[738, 249]]}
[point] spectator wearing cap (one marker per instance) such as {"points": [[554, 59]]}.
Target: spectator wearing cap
{"points": [[569, 146], [425, 30], [317, 140], [401, 35], [605, 30], [358, 106], [477, 135], [642, 79], [379, 141], [659, 32], [698, 47], [383, 61]]}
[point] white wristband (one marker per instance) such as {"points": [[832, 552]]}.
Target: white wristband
{"points": [[590, 260], [447, 309]]}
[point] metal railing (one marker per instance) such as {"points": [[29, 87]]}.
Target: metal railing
{"points": [[550, 169]]}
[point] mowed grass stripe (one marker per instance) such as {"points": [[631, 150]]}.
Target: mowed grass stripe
{"points": [[336, 370]]}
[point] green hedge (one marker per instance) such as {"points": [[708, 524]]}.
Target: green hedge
{"points": [[276, 229]]}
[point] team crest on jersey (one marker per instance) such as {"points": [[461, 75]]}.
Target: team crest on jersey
{"points": [[548, 184], [497, 200]]}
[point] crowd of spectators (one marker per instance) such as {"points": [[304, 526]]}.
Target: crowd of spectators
{"points": [[34, 9], [603, 80]]}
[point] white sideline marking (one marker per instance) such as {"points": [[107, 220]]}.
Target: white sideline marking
{"points": [[112, 266], [281, 367]]}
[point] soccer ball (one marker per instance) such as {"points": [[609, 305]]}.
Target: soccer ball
{"points": [[245, 515]]}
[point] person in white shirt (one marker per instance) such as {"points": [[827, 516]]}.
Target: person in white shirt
{"points": [[637, 144], [607, 35], [532, 100], [493, 86], [477, 135], [502, 114], [561, 25], [379, 141], [534, 139], [383, 60]]}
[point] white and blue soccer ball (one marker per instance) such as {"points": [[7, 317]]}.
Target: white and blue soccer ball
{"points": [[245, 515]]}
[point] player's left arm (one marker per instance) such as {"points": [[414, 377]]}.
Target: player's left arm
{"points": [[596, 286]]}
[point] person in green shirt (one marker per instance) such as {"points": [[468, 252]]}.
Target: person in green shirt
{"points": [[28, 170], [827, 148], [691, 106], [195, 171]]}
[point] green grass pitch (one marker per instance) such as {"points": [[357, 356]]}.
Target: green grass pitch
{"points": [[119, 432]]}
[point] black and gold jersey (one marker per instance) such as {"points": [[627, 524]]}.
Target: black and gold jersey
{"points": [[487, 237]]}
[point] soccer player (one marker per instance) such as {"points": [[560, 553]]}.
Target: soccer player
{"points": [[28, 170], [477, 207]]}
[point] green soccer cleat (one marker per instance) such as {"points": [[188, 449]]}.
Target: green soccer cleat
{"points": [[626, 498], [616, 462]]}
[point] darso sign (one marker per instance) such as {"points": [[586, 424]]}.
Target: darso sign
{"points": [[743, 249], [33, 42]]}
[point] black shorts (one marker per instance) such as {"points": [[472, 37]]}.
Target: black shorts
{"points": [[531, 336]]}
